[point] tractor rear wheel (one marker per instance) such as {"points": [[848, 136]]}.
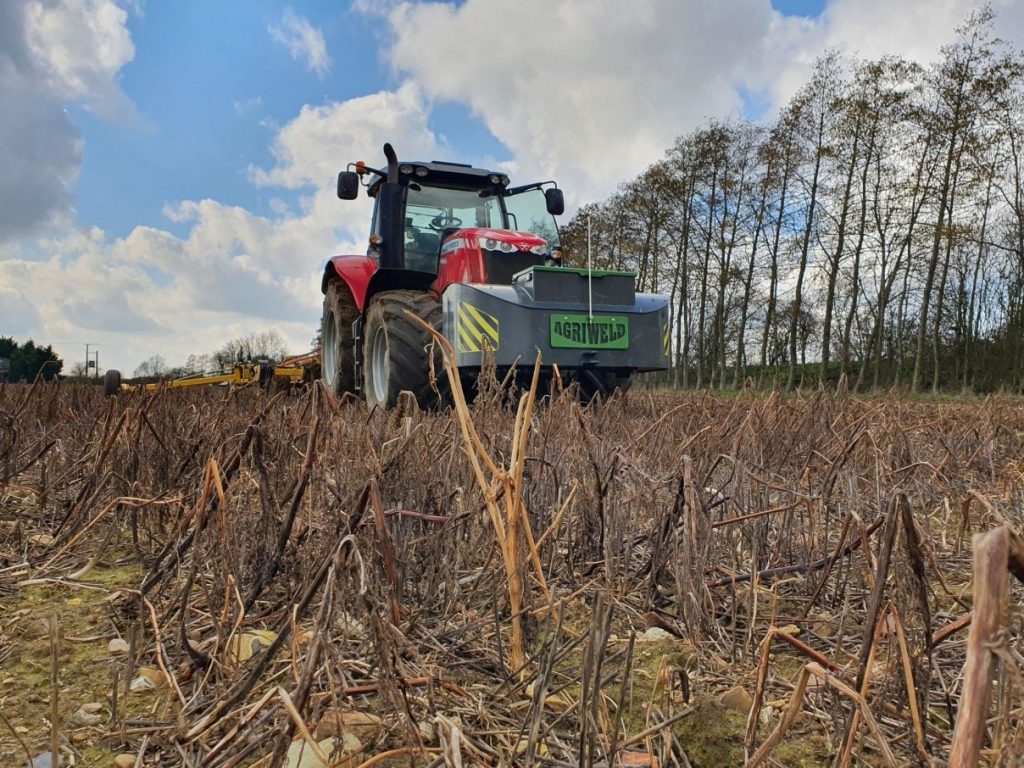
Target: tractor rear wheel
{"points": [[397, 349], [337, 350]]}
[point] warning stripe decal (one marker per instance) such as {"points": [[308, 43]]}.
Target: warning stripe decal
{"points": [[475, 329], [488, 323]]}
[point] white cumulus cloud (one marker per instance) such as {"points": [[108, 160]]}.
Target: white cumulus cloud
{"points": [[591, 93], [52, 54], [588, 93], [233, 271], [81, 45], [304, 41]]}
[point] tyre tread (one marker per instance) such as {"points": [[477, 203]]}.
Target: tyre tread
{"points": [[338, 298], [407, 345]]}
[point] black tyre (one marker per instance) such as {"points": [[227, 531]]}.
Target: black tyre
{"points": [[396, 348], [337, 351], [593, 385], [111, 382]]}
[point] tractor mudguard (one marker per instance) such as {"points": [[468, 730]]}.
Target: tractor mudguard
{"points": [[398, 280], [364, 279], [355, 271]]}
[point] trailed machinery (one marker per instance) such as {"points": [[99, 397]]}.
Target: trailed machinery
{"points": [[292, 370]]}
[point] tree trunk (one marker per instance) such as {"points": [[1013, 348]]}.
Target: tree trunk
{"points": [[804, 251], [836, 261], [701, 316], [773, 279], [857, 251], [747, 284], [939, 304]]}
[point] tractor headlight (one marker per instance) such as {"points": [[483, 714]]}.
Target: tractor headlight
{"points": [[498, 245], [405, 169], [540, 250]]}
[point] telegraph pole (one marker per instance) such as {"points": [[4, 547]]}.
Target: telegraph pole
{"points": [[88, 359]]}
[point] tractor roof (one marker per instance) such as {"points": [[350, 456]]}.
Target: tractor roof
{"points": [[450, 167], [441, 173]]}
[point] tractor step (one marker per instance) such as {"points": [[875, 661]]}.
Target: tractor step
{"points": [[357, 340]]}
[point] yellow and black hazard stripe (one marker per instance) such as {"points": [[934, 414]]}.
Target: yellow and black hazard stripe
{"points": [[476, 329], [666, 340]]}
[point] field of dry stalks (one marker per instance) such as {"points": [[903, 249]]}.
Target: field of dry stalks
{"points": [[236, 578]]}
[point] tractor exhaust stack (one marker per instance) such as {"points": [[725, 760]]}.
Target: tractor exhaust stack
{"points": [[391, 202]]}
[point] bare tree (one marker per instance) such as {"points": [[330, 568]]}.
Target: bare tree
{"points": [[814, 106], [152, 367], [258, 345], [962, 87], [881, 216]]}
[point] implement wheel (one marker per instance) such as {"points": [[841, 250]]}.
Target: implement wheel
{"points": [[594, 385], [337, 353], [111, 382], [396, 349]]}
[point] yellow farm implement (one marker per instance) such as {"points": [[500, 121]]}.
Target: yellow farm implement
{"points": [[291, 370]]}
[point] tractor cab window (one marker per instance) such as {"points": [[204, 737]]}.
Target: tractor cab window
{"points": [[528, 212], [433, 213]]}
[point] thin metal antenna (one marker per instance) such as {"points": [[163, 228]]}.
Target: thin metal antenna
{"points": [[590, 274]]}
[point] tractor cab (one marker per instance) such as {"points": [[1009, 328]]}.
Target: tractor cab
{"points": [[457, 222]]}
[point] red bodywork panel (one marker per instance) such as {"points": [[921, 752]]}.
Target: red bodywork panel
{"points": [[355, 272], [462, 259]]}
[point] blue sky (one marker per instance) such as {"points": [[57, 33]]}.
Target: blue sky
{"points": [[168, 164], [808, 8], [209, 92], [209, 88]]}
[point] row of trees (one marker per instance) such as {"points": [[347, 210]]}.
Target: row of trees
{"points": [[875, 229], [259, 345], [28, 360]]}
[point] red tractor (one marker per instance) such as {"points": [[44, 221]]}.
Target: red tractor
{"points": [[481, 262]]}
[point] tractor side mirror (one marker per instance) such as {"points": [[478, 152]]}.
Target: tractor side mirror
{"points": [[348, 185], [555, 201]]}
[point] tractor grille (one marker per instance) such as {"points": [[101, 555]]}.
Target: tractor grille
{"points": [[569, 286], [501, 266]]}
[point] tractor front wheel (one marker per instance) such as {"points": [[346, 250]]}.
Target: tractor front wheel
{"points": [[397, 349], [337, 351]]}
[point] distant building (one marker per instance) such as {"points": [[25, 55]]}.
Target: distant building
{"points": [[5, 368]]}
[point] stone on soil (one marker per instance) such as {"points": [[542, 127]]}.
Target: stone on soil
{"points": [[301, 755], [336, 722], [737, 699], [81, 717]]}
